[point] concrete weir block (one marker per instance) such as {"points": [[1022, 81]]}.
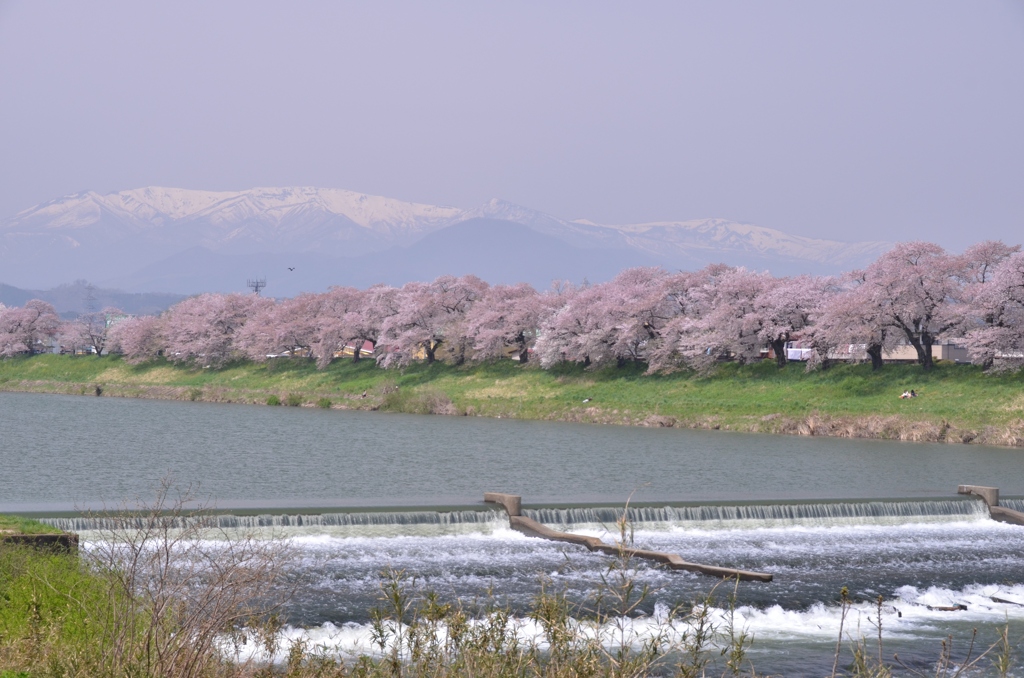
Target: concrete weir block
{"points": [[989, 494], [513, 503], [1005, 515]]}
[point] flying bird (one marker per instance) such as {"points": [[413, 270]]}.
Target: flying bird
{"points": [[586, 400], [291, 268]]}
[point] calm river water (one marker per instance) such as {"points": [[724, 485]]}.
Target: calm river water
{"points": [[62, 451], [799, 508]]}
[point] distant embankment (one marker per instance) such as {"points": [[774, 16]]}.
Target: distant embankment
{"points": [[955, 403]]}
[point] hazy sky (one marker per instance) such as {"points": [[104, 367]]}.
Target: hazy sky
{"points": [[857, 120]]}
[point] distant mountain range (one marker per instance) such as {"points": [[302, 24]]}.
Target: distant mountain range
{"points": [[185, 241], [73, 299]]}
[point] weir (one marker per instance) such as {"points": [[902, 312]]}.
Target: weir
{"points": [[990, 495], [327, 520], [822, 513], [513, 506], [569, 518]]}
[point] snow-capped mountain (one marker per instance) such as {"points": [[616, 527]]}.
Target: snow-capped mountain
{"points": [[260, 218], [711, 236], [118, 237]]}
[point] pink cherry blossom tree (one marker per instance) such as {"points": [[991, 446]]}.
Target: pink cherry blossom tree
{"points": [[507, 316], [636, 307], [997, 341], [288, 326], [688, 298], [428, 316], [138, 339], [202, 329], [28, 329], [911, 287], [73, 336], [90, 330], [973, 309], [551, 344], [979, 261], [577, 329], [782, 309], [616, 321], [352, 317], [847, 324], [721, 320]]}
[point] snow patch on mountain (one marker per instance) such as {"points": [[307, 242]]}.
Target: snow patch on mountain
{"points": [[724, 235], [156, 206], [92, 235]]}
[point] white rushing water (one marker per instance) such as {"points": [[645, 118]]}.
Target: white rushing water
{"points": [[921, 557]]}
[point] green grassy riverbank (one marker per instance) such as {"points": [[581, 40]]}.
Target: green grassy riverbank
{"points": [[956, 403]]}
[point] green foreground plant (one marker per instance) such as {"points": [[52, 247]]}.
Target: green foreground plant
{"points": [[158, 595]]}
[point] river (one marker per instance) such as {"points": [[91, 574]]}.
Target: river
{"points": [[881, 518]]}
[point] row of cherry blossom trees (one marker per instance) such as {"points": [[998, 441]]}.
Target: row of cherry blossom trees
{"points": [[916, 294]]}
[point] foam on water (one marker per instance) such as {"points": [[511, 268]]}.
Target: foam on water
{"points": [[911, 615]]}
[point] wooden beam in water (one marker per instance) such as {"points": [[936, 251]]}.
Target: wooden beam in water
{"points": [[532, 528]]}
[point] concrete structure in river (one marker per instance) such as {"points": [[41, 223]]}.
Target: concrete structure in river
{"points": [[512, 504], [990, 495]]}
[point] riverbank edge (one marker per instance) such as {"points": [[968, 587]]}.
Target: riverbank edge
{"points": [[877, 426]]}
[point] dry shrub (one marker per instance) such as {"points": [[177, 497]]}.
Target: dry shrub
{"points": [[179, 590]]}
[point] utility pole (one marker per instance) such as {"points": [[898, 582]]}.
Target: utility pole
{"points": [[90, 298]]}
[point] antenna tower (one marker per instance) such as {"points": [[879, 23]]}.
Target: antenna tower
{"points": [[256, 284]]}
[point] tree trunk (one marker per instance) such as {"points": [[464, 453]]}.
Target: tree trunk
{"points": [[875, 353], [923, 346], [524, 352], [927, 340], [620, 362], [779, 346], [429, 348], [357, 354]]}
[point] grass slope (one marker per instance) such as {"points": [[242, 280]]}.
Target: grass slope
{"points": [[19, 525], [957, 403]]}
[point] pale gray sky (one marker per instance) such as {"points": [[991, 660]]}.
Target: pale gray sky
{"points": [[856, 120]]}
